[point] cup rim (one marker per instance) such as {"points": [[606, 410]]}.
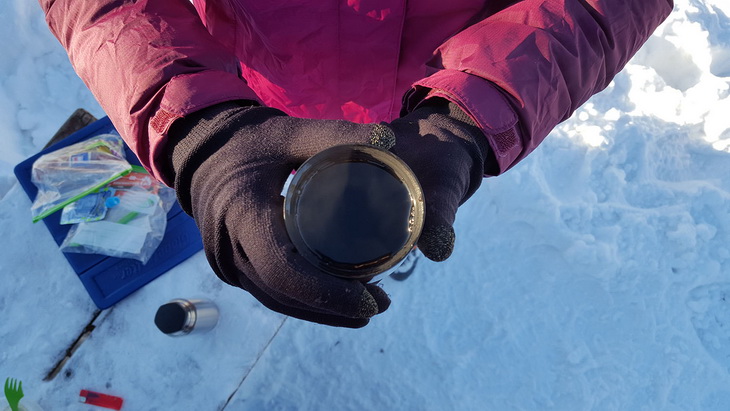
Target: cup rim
{"points": [[380, 157]]}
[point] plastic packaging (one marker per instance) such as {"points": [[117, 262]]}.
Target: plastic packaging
{"points": [[135, 220], [68, 174], [25, 404], [91, 207]]}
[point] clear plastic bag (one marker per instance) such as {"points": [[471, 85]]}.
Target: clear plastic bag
{"points": [[72, 172], [91, 207], [134, 224]]}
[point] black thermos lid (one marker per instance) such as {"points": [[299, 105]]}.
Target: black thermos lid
{"points": [[170, 318]]}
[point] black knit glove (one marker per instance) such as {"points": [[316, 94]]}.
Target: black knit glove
{"points": [[230, 162], [447, 152]]}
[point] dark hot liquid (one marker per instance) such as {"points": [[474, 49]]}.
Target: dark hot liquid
{"points": [[354, 213]]}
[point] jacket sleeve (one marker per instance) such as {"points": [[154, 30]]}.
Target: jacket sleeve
{"points": [[523, 69], [148, 63]]}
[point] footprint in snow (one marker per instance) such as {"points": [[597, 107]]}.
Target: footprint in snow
{"points": [[711, 320]]}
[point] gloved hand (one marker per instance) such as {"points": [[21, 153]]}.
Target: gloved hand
{"points": [[229, 164], [447, 153]]}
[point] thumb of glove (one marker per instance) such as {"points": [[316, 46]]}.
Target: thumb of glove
{"points": [[446, 151], [438, 237], [437, 242]]}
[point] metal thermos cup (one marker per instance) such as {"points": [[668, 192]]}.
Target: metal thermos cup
{"points": [[354, 211], [182, 317]]}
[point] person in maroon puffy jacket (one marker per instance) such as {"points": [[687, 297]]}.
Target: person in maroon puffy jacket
{"points": [[222, 99]]}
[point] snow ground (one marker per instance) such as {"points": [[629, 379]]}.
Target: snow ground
{"points": [[595, 275]]}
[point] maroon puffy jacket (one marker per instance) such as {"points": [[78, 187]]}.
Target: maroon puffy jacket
{"points": [[517, 67]]}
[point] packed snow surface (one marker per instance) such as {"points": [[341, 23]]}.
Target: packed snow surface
{"points": [[594, 275]]}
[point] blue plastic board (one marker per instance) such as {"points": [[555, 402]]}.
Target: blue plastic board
{"points": [[108, 280]]}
